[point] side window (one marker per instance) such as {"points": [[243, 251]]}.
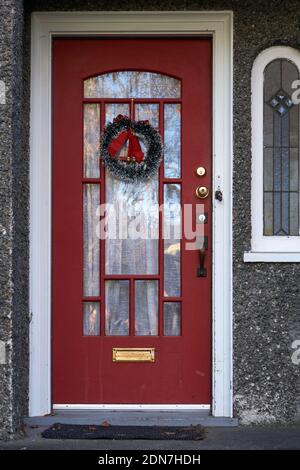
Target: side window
{"points": [[275, 156], [281, 150]]}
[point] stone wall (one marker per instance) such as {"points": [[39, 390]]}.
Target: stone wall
{"points": [[14, 209]]}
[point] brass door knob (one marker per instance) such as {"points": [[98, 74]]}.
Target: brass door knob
{"points": [[202, 192]]}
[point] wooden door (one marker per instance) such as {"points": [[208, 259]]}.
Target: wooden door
{"points": [[144, 295]]}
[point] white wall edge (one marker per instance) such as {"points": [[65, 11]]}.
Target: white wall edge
{"points": [[219, 25]]}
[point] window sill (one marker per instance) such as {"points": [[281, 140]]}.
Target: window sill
{"points": [[271, 257]]}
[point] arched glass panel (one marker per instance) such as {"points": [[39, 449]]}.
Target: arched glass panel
{"points": [[132, 84], [281, 150]]}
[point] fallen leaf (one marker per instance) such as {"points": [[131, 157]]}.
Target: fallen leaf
{"points": [[105, 424]]}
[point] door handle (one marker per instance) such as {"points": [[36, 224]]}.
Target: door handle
{"points": [[202, 271]]}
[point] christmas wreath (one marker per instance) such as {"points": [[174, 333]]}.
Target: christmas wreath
{"points": [[135, 166]]}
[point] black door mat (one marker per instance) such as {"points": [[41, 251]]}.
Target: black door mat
{"points": [[82, 431]]}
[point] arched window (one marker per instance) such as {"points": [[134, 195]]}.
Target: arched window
{"points": [[275, 156]]}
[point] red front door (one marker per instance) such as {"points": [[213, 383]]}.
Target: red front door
{"points": [[131, 293]]}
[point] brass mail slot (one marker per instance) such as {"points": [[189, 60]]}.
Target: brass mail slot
{"points": [[133, 354]]}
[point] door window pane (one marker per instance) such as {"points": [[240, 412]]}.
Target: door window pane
{"points": [[91, 140], [172, 318], [172, 237], [132, 84], [132, 227], [91, 246], [91, 319], [146, 308], [112, 110], [147, 112], [172, 140], [117, 308]]}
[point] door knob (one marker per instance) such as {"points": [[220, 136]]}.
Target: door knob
{"points": [[202, 192]]}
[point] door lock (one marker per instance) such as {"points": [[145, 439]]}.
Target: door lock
{"points": [[219, 195], [202, 192], [201, 171]]}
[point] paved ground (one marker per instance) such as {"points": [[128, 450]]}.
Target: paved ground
{"points": [[271, 437]]}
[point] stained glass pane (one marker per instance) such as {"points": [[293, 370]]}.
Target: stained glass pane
{"points": [[146, 308], [294, 169], [281, 150], [91, 246], [132, 84], [132, 227], [277, 214], [172, 140], [294, 126], [172, 237], [268, 126], [172, 318], [91, 140], [117, 308], [294, 214], [272, 82], [268, 213], [268, 170], [91, 319]]}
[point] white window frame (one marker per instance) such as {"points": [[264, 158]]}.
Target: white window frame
{"points": [[266, 248], [45, 26]]}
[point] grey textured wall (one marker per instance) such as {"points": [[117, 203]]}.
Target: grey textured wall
{"points": [[266, 296], [13, 221]]}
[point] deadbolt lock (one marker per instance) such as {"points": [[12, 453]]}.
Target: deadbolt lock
{"points": [[201, 171], [202, 192]]}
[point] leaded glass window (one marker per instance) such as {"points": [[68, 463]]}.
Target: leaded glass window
{"points": [[281, 150]]}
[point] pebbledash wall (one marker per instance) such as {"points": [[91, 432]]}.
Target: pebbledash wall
{"points": [[266, 295]]}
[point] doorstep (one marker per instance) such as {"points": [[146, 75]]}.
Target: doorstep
{"points": [[133, 418]]}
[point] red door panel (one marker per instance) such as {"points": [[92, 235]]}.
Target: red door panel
{"points": [[82, 365]]}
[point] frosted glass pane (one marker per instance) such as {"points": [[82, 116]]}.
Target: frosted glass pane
{"points": [[150, 112], [172, 140], [91, 140], [131, 246], [146, 308], [132, 84], [172, 231], [113, 109], [117, 308], [91, 200], [91, 319], [172, 318]]}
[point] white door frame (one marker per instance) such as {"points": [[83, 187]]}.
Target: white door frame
{"points": [[45, 26]]}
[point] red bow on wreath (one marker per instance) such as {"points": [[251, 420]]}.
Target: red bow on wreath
{"points": [[134, 148]]}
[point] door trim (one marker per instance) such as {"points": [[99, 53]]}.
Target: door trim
{"points": [[45, 26]]}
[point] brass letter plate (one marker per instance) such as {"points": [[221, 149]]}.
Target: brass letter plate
{"points": [[133, 354]]}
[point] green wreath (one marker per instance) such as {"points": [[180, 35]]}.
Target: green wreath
{"points": [[136, 166]]}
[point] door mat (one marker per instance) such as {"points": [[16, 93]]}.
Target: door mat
{"points": [[82, 431]]}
